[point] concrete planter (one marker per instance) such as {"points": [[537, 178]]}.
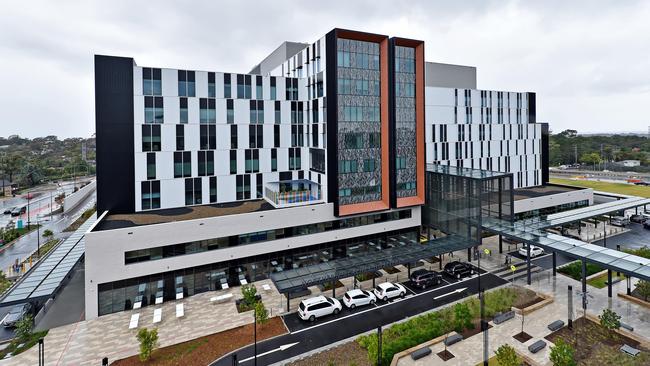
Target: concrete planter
{"points": [[635, 300]]}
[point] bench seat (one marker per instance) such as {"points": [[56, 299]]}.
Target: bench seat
{"points": [[453, 339], [556, 325], [537, 346], [422, 352]]}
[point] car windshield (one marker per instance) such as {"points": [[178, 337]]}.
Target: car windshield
{"points": [[302, 306], [378, 289], [347, 296], [329, 300]]}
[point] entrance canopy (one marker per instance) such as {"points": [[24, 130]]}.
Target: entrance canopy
{"points": [[300, 278]]}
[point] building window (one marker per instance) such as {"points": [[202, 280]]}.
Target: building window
{"points": [[258, 186], [151, 81], [233, 161], [259, 93], [243, 86], [276, 136], [294, 159], [180, 137], [257, 111], [207, 137], [151, 138], [252, 162], [317, 160], [230, 111], [297, 135], [274, 95], [291, 85], [186, 84], [206, 163], [207, 108], [243, 183], [369, 165], [274, 160], [278, 112], [212, 93], [153, 110], [193, 191], [227, 87], [354, 140], [182, 164], [151, 165], [150, 193], [255, 136], [213, 189], [183, 110], [233, 137], [348, 166]]}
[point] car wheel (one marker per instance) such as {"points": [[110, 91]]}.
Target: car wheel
{"points": [[458, 276], [372, 302], [312, 318], [385, 298], [336, 311], [402, 294], [352, 306], [424, 285]]}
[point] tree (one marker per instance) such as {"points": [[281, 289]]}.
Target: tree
{"points": [[148, 341], [249, 293], [261, 315], [562, 354], [643, 288], [446, 323], [506, 356], [590, 158], [47, 233], [609, 319], [462, 317], [10, 165], [24, 327]]}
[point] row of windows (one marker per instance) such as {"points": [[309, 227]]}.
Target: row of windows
{"points": [[352, 166], [358, 87], [405, 65], [255, 237], [357, 60], [405, 186], [405, 90], [359, 114], [485, 132], [359, 191]]}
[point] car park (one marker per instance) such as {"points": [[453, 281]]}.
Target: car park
{"points": [[423, 278], [319, 306], [620, 221], [357, 297], [17, 313], [389, 290], [534, 251], [17, 211], [639, 219], [458, 269]]}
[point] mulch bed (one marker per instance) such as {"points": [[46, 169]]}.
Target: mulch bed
{"points": [[202, 351], [328, 286], [445, 355], [433, 260], [367, 276], [522, 337], [594, 344], [525, 297], [528, 303], [350, 353], [476, 330], [391, 270]]}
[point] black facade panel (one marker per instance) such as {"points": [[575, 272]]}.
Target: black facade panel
{"points": [[392, 132], [114, 134], [532, 108], [545, 154], [332, 121]]}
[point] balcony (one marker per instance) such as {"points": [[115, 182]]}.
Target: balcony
{"points": [[292, 193]]}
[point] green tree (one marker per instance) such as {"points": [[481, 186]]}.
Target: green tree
{"points": [[462, 317], [47, 233], [24, 327], [4, 282], [562, 354], [643, 288], [590, 158], [249, 293], [609, 319], [506, 356], [446, 324], [10, 164], [261, 314], [148, 341]]}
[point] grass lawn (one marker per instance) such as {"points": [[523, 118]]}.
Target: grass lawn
{"points": [[622, 188], [574, 270], [79, 221], [601, 281], [24, 344]]}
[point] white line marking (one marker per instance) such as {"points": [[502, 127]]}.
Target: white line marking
{"points": [[456, 291], [378, 306], [281, 348]]}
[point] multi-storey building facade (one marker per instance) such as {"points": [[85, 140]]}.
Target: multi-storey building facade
{"points": [[319, 153]]}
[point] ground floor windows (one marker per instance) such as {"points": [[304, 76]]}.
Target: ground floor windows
{"points": [[150, 193], [193, 191]]}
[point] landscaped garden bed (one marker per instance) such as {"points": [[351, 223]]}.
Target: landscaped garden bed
{"points": [[600, 281], [391, 270], [574, 270], [462, 317], [328, 286], [346, 354], [202, 351], [368, 276], [593, 344]]}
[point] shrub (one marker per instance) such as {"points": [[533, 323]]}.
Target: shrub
{"points": [[506, 356], [562, 354], [24, 327], [248, 292], [609, 319], [574, 270], [47, 233], [148, 341], [261, 315], [462, 317], [643, 289], [641, 252]]}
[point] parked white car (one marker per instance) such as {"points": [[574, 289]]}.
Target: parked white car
{"points": [[316, 307], [534, 251], [354, 298], [388, 290]]}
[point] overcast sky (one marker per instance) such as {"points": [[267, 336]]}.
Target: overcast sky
{"points": [[588, 61]]}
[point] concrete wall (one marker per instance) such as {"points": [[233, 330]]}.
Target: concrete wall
{"points": [[450, 76], [105, 250], [537, 203], [73, 200]]}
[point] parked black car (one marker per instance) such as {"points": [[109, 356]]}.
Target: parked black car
{"points": [[423, 278], [646, 225], [16, 313], [639, 219], [458, 269], [8, 210]]}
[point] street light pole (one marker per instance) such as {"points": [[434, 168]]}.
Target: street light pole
{"points": [[38, 239], [255, 334]]}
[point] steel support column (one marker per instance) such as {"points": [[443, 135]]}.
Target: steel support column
{"points": [[554, 264], [500, 244], [528, 278], [609, 283], [584, 284]]}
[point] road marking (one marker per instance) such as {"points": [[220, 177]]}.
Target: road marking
{"points": [[457, 291], [378, 306], [281, 348]]}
